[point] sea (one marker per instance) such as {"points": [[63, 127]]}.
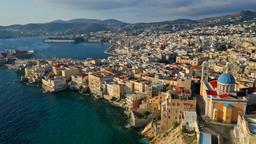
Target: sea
{"points": [[28, 116]]}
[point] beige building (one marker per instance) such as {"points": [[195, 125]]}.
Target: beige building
{"points": [[57, 70], [67, 72], [135, 86], [34, 73], [218, 68], [172, 111], [55, 84], [128, 87], [184, 83], [188, 60], [134, 101], [95, 84], [154, 103], [139, 86], [77, 81], [115, 90]]}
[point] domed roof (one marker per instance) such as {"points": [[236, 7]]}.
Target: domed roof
{"points": [[226, 78]]}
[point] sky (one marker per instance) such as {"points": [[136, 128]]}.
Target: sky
{"points": [[38, 11]]}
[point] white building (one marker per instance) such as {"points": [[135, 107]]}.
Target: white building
{"points": [[54, 85], [190, 120], [245, 129]]}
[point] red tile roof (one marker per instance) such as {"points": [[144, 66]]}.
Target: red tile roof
{"points": [[214, 84], [211, 92], [178, 89], [84, 75], [197, 67], [224, 95], [121, 77], [227, 95]]}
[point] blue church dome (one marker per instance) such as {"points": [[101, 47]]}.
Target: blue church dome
{"points": [[226, 78]]}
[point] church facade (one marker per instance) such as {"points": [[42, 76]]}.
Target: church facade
{"points": [[220, 101]]}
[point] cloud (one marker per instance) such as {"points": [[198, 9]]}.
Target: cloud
{"points": [[96, 4], [208, 7], [119, 4], [155, 9]]}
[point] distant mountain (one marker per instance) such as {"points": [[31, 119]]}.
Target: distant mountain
{"points": [[76, 26], [77, 21], [231, 18], [86, 28], [162, 26], [90, 21], [113, 22], [73, 26], [247, 15], [180, 22]]}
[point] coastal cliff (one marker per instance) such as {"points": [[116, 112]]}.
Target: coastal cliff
{"points": [[174, 135]]}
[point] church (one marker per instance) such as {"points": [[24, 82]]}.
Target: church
{"points": [[219, 100]]}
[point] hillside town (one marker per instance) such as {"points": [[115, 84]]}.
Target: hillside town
{"points": [[194, 85]]}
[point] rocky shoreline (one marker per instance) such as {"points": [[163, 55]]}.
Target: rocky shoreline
{"points": [[56, 74], [17, 66], [109, 51], [143, 131]]}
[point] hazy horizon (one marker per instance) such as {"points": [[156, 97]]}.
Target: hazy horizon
{"points": [[130, 11]]}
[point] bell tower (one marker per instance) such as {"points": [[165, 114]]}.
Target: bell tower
{"points": [[205, 72], [204, 76]]}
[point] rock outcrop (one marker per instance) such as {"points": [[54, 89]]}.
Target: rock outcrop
{"points": [[172, 136]]}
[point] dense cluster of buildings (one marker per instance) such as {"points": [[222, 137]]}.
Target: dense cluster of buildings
{"points": [[169, 80]]}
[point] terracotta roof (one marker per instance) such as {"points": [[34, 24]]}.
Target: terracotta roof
{"points": [[227, 95], [197, 67], [121, 77], [211, 92], [178, 89], [174, 65], [84, 75], [213, 84], [224, 95]]}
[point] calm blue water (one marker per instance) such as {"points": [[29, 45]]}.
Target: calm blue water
{"points": [[59, 50], [27, 116]]}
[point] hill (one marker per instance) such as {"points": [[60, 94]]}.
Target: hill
{"points": [[75, 26]]}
